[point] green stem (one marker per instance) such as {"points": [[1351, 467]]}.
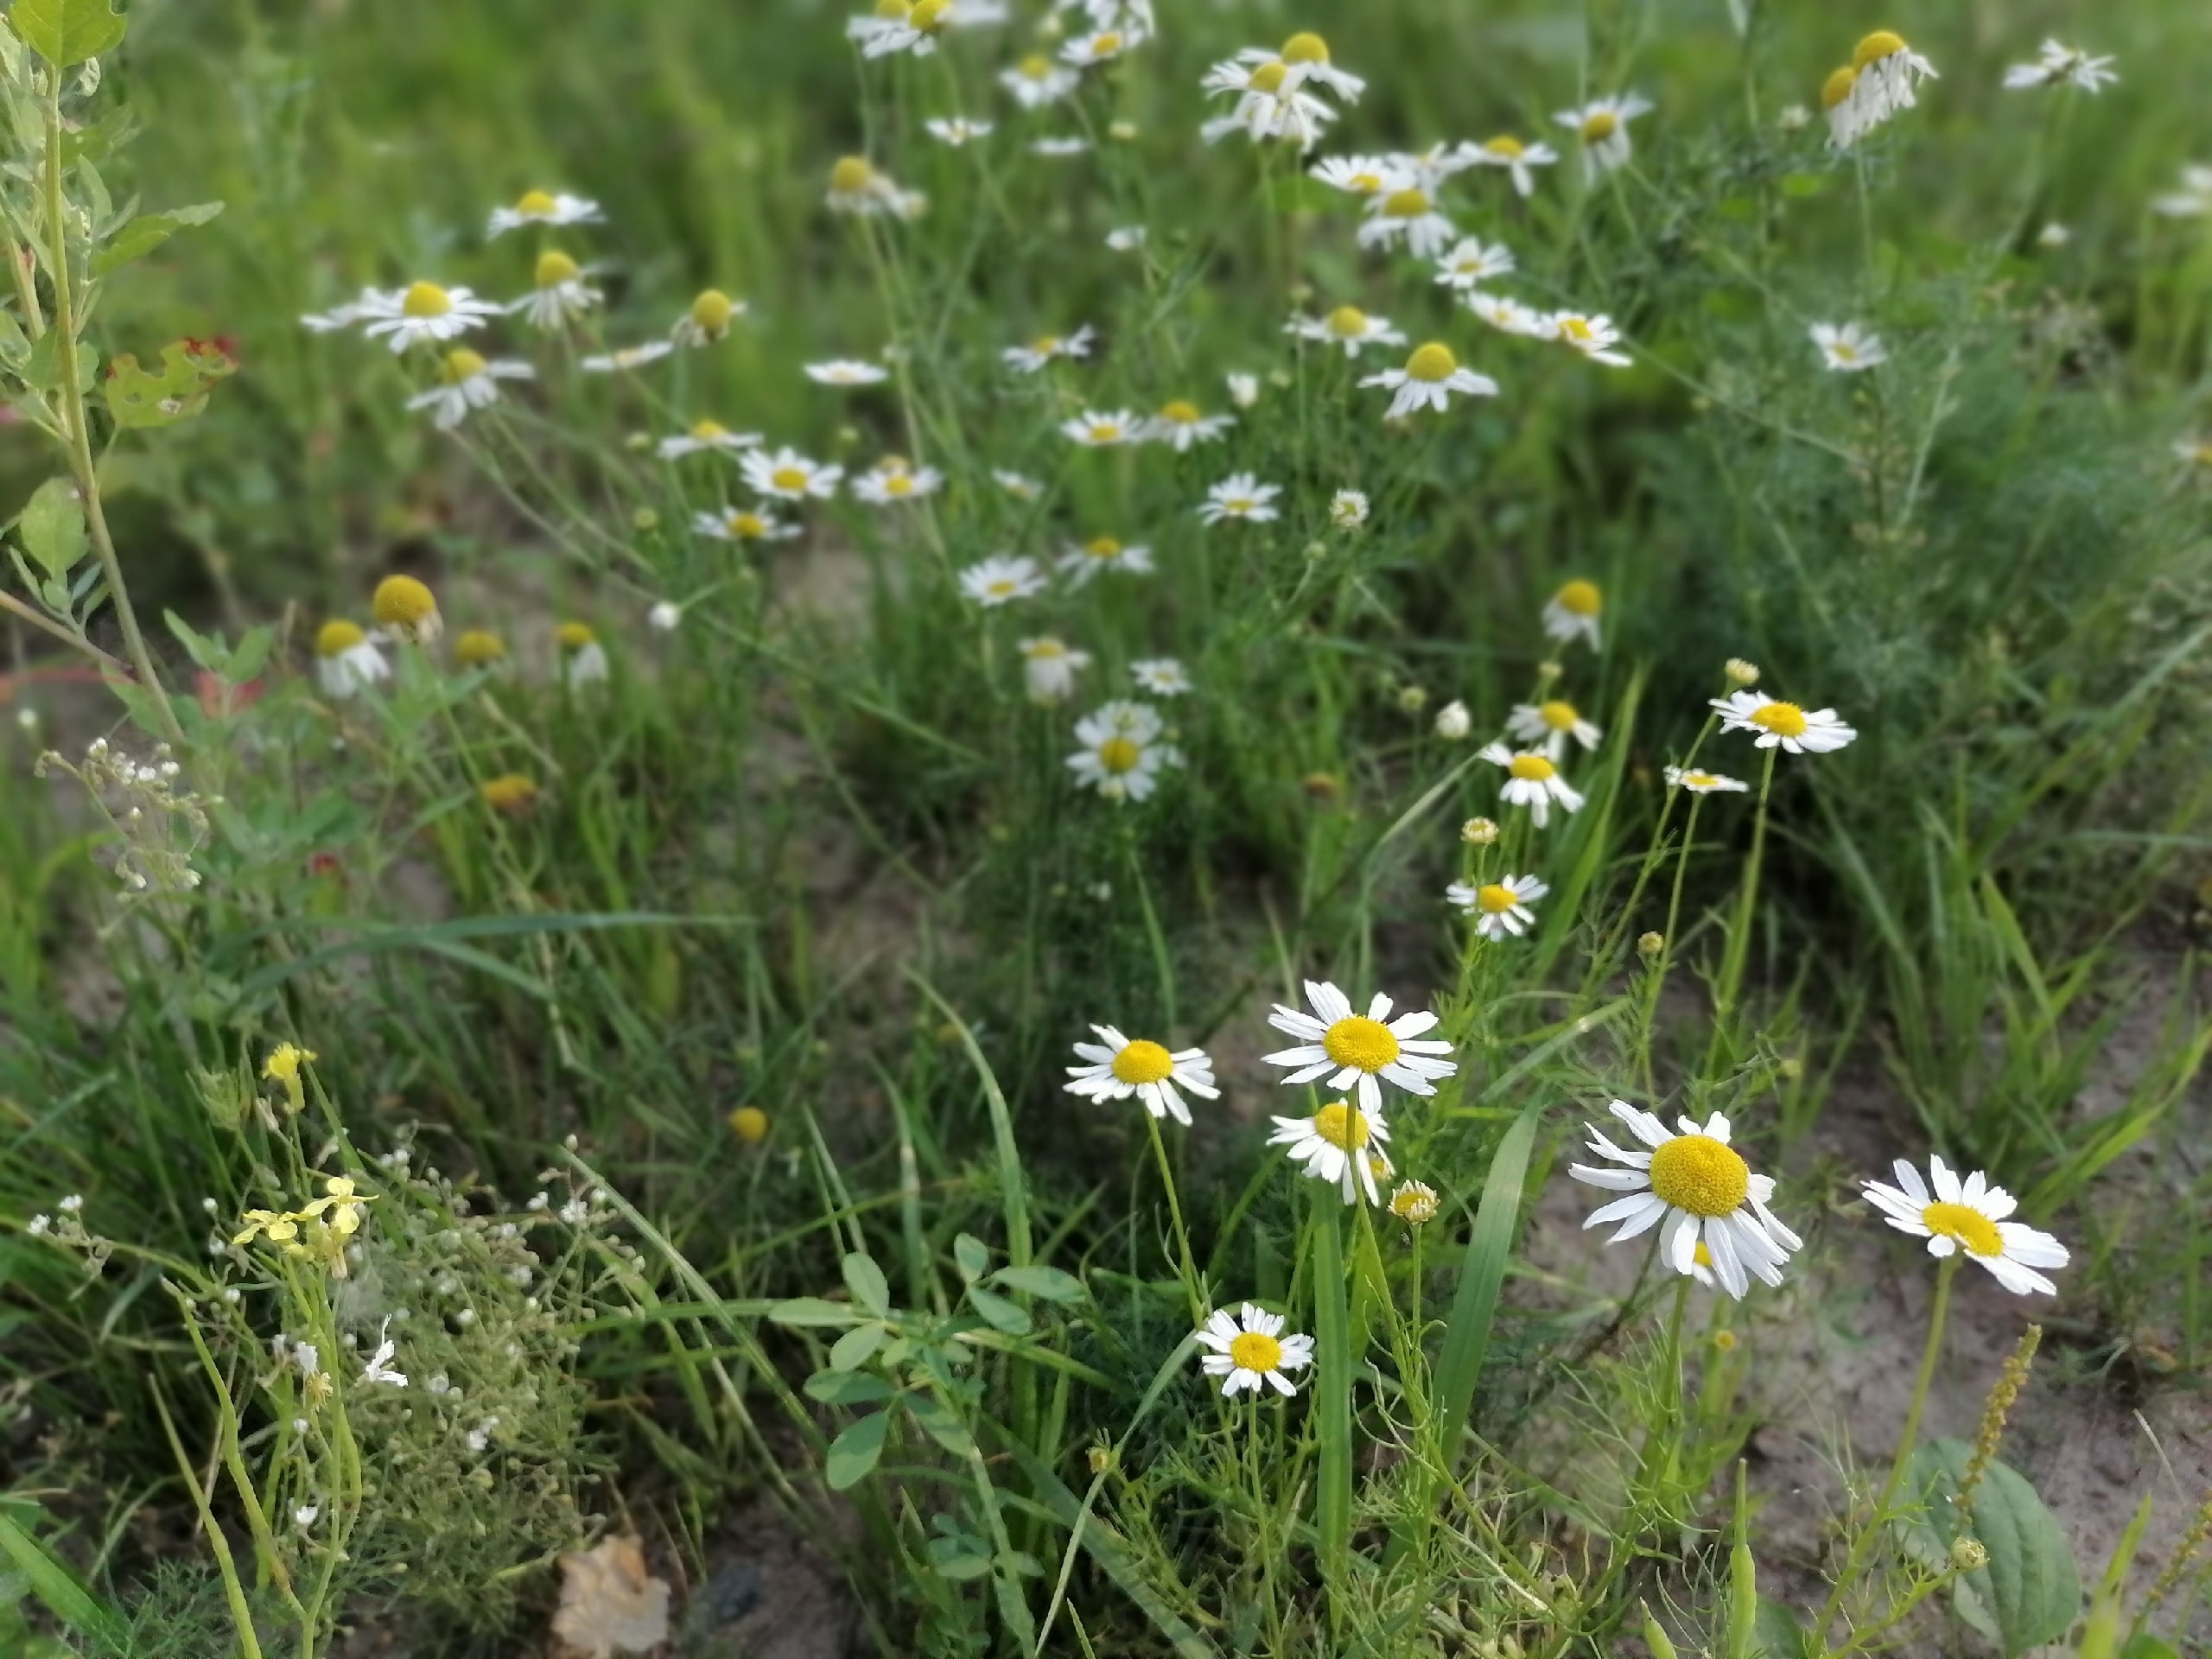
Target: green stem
{"points": [[1190, 1267], [1739, 936], [1333, 1390]]}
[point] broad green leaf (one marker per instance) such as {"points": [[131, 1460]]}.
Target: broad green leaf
{"points": [[53, 527], [941, 1424], [1051, 1283], [141, 235], [865, 1280], [1009, 1317], [973, 1256], [856, 1347], [848, 1389], [2031, 1591], [813, 1310], [177, 391], [855, 1452], [66, 32]]}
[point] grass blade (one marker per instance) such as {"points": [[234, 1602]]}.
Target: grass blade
{"points": [[1332, 1391], [57, 1587], [1482, 1272]]}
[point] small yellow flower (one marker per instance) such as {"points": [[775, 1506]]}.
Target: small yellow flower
{"points": [[512, 792], [269, 1224], [749, 1124], [408, 608], [341, 1209], [282, 1066]]}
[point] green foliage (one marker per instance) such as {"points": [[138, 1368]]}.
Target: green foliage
{"points": [[2029, 1592], [66, 32]]}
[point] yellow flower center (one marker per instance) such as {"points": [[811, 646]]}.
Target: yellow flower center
{"points": [[476, 647], [1363, 184], [1143, 1062], [1844, 351], [1432, 363], [1533, 767], [462, 365], [708, 431], [713, 309], [1413, 1203], [1268, 77], [1106, 44], [1036, 66], [536, 203], [1255, 1351], [1364, 1044], [1599, 125], [898, 484], [1580, 599], [1006, 587], [1409, 203], [1180, 412], [1837, 86], [749, 1124], [1700, 779], [425, 300], [1045, 346], [1305, 47], [1782, 719], [1577, 329], [338, 636], [1698, 1173], [1342, 1125], [1876, 46], [1049, 651], [1347, 322], [928, 13], [1119, 754], [1560, 716], [850, 175], [401, 601], [1104, 431], [788, 478], [573, 636], [746, 526], [1496, 897], [1511, 150], [1970, 1226], [555, 268], [1103, 547]]}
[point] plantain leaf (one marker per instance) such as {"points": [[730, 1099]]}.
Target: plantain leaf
{"points": [[66, 32], [2031, 1591]]}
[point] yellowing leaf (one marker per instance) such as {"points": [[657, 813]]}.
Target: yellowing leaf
{"points": [[176, 392]]}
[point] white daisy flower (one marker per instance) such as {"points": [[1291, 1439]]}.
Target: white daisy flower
{"points": [[707, 318], [1575, 612], [1036, 81], [1094, 430], [666, 616], [1798, 730], [1307, 56], [1408, 213], [1603, 129], [789, 476], [1431, 169], [1001, 581], [857, 188], [1348, 1048], [1348, 509], [625, 358], [1348, 326], [741, 524], [348, 661], [1049, 667], [1103, 553], [1181, 423], [1531, 780], [1516, 157], [704, 437], [1432, 374], [885, 485], [1877, 83], [1508, 317], [1059, 148], [1848, 348], [1549, 725], [1474, 262], [1594, 337], [1123, 1067], [1699, 782], [1969, 1215], [1161, 676], [1243, 389], [1501, 907], [378, 1370], [845, 373], [542, 207], [1241, 495], [1355, 175], [1340, 1144], [467, 381], [559, 295], [957, 130], [2192, 200], [1100, 46], [423, 312], [916, 32], [1046, 348], [1122, 755], [1700, 1189], [1017, 485], [1252, 1353], [1269, 104], [2063, 66], [1126, 238], [371, 303]]}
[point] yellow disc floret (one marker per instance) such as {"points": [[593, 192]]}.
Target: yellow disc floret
{"points": [[851, 175], [928, 14], [1119, 754], [405, 602], [1143, 1062], [1342, 1125], [1699, 1174], [749, 1124], [1880, 44], [1409, 203], [1599, 125], [703, 432], [1255, 1351], [1511, 150], [1432, 363], [479, 648], [1533, 768], [1968, 1226], [1180, 411], [1305, 47], [510, 793], [555, 268], [789, 478], [1560, 716], [575, 636], [460, 365], [1580, 599], [1363, 1044], [1268, 77], [425, 300], [713, 309], [1782, 719], [1103, 547], [1347, 322], [1837, 86], [337, 637], [537, 204], [1496, 897]]}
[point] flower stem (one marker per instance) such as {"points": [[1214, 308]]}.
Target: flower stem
{"points": [[1189, 1263], [1739, 935]]}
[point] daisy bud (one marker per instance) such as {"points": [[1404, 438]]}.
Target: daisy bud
{"points": [[1453, 722], [1101, 1460], [1741, 672], [665, 616], [644, 520], [749, 1124], [1122, 132], [1411, 699], [477, 648], [1478, 832], [1413, 1203], [1650, 945], [1321, 786]]}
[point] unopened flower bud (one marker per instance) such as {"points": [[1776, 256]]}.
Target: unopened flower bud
{"points": [[1650, 945], [1411, 699], [1453, 722], [1478, 832], [1741, 672]]}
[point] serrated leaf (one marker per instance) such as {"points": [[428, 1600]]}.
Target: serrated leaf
{"points": [[866, 1281], [2031, 1591], [176, 392], [853, 1453], [940, 1424], [855, 1349], [141, 236], [53, 527], [813, 1310], [1049, 1282], [1009, 1317], [973, 1256], [66, 32], [848, 1389]]}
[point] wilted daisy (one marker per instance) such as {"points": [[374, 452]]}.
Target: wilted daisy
{"points": [[1161, 676], [1340, 1144], [1049, 668], [706, 437], [1349, 1048], [1407, 213], [1348, 509], [1874, 85], [1241, 495], [583, 659], [741, 524], [1700, 1189], [346, 660], [1253, 1352], [1801, 732], [1531, 780], [1848, 348], [1703, 783], [957, 130], [844, 371], [1432, 374], [1473, 263], [856, 187], [1046, 348], [1575, 611], [2192, 200], [466, 380], [1182, 423], [542, 207], [1307, 56], [1123, 1067], [2063, 66], [1122, 754], [1100, 46], [405, 608], [1501, 907], [887, 483], [707, 318], [1020, 487], [1594, 337], [1516, 157], [623, 359], [1603, 129], [559, 294], [1094, 430], [789, 476], [1508, 316], [1036, 81], [1969, 1215], [1001, 581], [423, 312], [1348, 326], [1269, 104], [1549, 725], [1102, 553], [1414, 1203], [1355, 175]]}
